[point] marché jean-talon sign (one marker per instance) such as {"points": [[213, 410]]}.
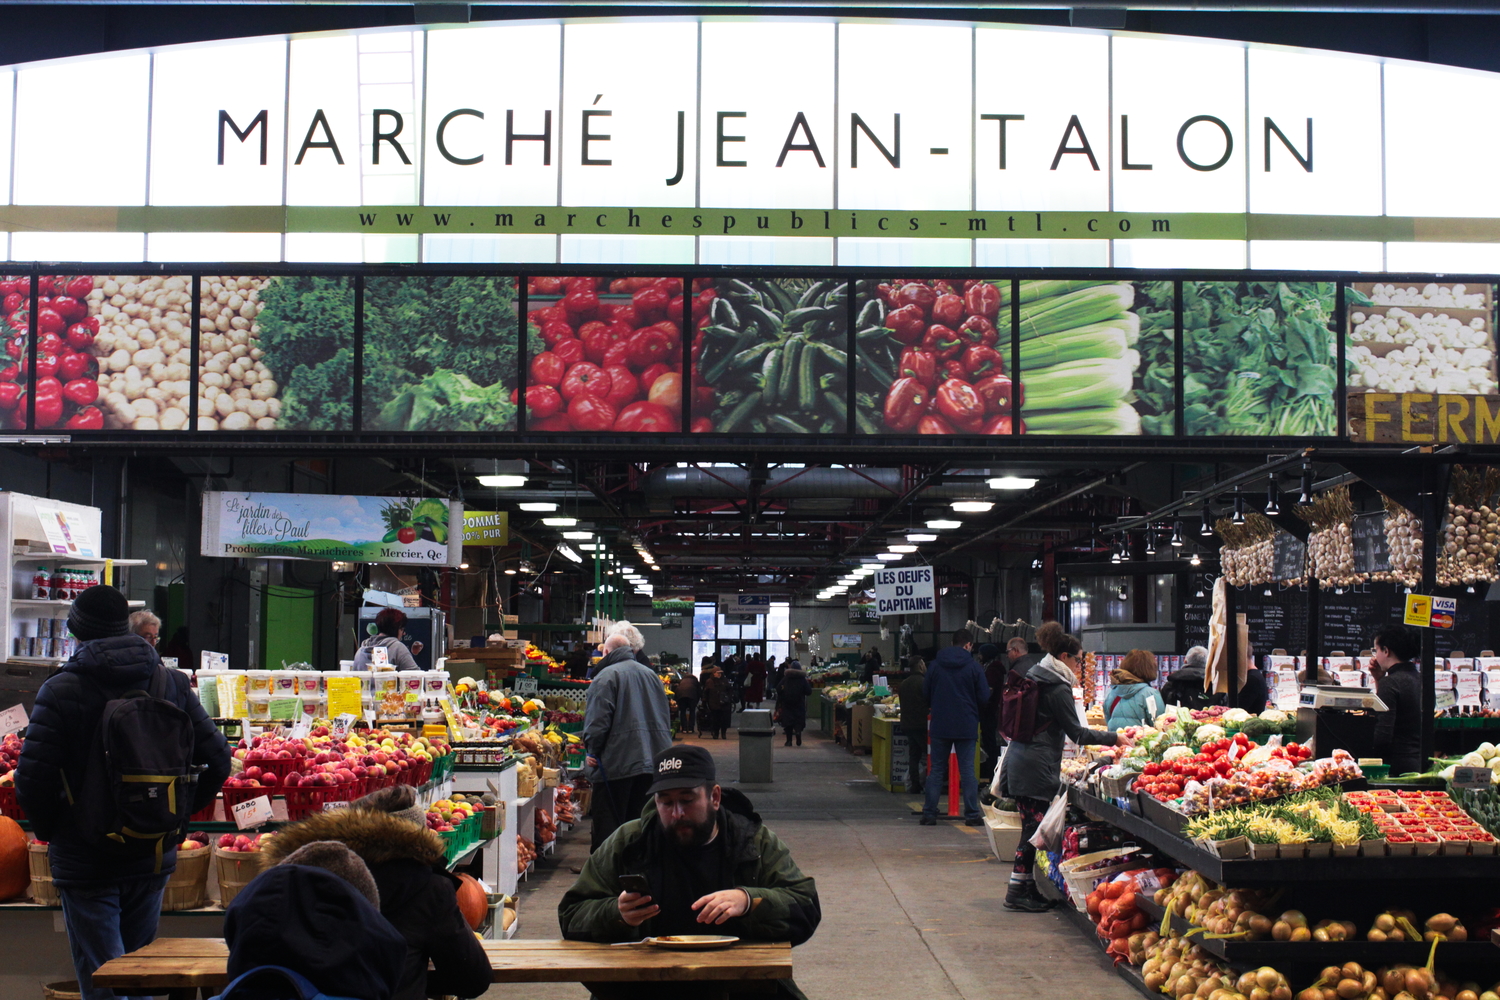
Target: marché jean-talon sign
{"points": [[736, 127]]}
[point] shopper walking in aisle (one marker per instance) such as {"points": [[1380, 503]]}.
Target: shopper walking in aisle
{"points": [[773, 676], [791, 702], [712, 867], [1032, 770], [111, 887], [994, 664], [913, 697], [388, 633], [1398, 730], [714, 702], [387, 831], [1131, 700], [755, 682], [956, 693], [626, 723], [1252, 687], [1184, 686], [685, 693]]}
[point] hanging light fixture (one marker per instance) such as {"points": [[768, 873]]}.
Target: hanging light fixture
{"points": [[1114, 555], [1239, 507], [1307, 484], [1195, 561], [1206, 527], [1273, 498], [1177, 534], [1150, 541]]}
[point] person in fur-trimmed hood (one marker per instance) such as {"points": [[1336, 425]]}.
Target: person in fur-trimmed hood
{"points": [[387, 830]]}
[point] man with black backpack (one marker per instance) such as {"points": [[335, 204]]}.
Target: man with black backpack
{"points": [[119, 753]]}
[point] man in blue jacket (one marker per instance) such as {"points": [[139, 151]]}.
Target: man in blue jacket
{"points": [[110, 903], [956, 692]]}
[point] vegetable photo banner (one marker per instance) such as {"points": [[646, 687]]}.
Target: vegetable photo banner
{"points": [[407, 530]]}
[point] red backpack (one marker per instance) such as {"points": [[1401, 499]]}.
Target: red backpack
{"points": [[1018, 708]]}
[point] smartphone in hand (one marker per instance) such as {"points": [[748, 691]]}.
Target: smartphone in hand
{"points": [[637, 884]]}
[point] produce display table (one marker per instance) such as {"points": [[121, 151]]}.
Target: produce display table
{"points": [[182, 966]]}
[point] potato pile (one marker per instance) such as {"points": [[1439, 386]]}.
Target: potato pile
{"points": [[235, 389]]}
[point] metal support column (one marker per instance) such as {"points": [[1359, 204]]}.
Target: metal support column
{"points": [[1434, 495], [1314, 635]]}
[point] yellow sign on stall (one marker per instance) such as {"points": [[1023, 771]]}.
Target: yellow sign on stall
{"points": [[1419, 610], [345, 696], [486, 527]]}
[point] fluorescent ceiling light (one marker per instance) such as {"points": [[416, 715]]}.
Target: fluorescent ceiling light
{"points": [[869, 559], [865, 571], [944, 525], [510, 572], [972, 506], [502, 482], [566, 551], [560, 522], [920, 536], [1012, 483], [538, 505], [903, 548], [888, 556], [578, 536]]}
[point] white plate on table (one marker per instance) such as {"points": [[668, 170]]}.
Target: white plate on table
{"points": [[692, 942]]}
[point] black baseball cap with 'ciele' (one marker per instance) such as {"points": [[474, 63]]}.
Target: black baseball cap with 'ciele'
{"points": [[683, 767]]}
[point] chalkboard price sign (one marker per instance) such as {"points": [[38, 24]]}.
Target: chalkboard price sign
{"points": [[1289, 559]]}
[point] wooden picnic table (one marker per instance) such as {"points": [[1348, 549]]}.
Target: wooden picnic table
{"points": [[183, 966]]}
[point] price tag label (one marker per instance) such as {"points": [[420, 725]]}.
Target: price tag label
{"points": [[13, 720], [412, 697], [525, 685], [1468, 688], [1471, 777], [380, 656], [252, 812], [1444, 700], [301, 728], [330, 806], [343, 724]]}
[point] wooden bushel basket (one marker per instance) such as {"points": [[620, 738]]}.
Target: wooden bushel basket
{"points": [[43, 892], [234, 870], [187, 887]]}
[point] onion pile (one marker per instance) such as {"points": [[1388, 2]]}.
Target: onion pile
{"points": [[1403, 536], [1471, 530], [1248, 555], [1330, 544]]}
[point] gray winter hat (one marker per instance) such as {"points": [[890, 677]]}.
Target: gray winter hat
{"points": [[399, 801], [334, 857]]}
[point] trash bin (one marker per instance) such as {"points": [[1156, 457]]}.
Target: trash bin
{"points": [[755, 746]]}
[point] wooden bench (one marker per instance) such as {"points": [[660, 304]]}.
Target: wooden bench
{"points": [[183, 966]]}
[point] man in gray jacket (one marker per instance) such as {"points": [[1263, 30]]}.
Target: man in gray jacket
{"points": [[626, 723]]}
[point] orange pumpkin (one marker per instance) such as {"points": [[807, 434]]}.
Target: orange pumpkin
{"points": [[15, 870], [472, 902]]}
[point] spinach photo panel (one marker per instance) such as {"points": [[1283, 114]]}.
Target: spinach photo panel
{"points": [[439, 353], [1259, 358]]}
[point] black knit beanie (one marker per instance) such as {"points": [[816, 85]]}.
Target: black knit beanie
{"points": [[99, 613]]}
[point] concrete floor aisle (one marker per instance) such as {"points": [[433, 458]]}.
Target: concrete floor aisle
{"points": [[908, 911]]}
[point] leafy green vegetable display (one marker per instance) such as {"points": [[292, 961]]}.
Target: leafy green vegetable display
{"points": [[1258, 356], [307, 339], [440, 353]]}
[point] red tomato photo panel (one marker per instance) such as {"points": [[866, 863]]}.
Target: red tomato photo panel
{"points": [[771, 356], [932, 356], [605, 355], [112, 352]]}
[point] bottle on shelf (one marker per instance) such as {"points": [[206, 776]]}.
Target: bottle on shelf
{"points": [[41, 585], [60, 585]]}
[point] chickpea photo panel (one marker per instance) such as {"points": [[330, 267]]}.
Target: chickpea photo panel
{"points": [[605, 354], [1260, 358], [771, 355], [113, 352], [439, 354], [276, 353]]}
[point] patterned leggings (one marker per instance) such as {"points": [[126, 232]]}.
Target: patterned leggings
{"points": [[1032, 811]]}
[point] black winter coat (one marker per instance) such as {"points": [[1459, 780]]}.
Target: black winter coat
{"points": [[791, 700], [61, 736], [1398, 732], [417, 895]]}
